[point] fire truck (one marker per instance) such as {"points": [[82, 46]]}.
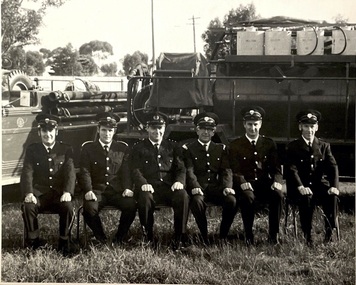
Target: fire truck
{"points": [[282, 65]]}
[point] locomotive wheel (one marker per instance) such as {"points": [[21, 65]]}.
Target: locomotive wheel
{"points": [[18, 80]]}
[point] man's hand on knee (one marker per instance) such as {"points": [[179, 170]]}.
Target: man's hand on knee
{"points": [[66, 197], [177, 186], [30, 198], [147, 188], [127, 193], [90, 196], [197, 191]]}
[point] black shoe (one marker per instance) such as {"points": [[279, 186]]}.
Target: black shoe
{"points": [[273, 239], [118, 240], [67, 247], [147, 234], [328, 236], [35, 243]]}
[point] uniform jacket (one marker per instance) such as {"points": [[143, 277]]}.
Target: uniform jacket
{"points": [[43, 172], [207, 167], [98, 171], [311, 169], [149, 168], [249, 165]]}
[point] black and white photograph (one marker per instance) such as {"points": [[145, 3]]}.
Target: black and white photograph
{"points": [[178, 142]]}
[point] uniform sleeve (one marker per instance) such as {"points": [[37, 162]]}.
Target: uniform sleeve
{"points": [[225, 170], [125, 173], [293, 179], [26, 181], [192, 180], [136, 172], [275, 164], [179, 166], [332, 169], [85, 181], [69, 175], [237, 175]]}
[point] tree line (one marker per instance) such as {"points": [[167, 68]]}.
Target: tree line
{"points": [[20, 27]]}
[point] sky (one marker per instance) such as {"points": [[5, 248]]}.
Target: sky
{"points": [[126, 24]]}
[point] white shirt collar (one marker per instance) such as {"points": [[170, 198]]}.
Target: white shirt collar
{"points": [[307, 141], [154, 143], [204, 144], [250, 140], [51, 146], [103, 144]]}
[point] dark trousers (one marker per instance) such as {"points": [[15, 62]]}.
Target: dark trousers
{"points": [[215, 196], [263, 193], [178, 200], [307, 205], [48, 202], [127, 206]]}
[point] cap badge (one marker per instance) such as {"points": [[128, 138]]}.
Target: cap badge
{"points": [[252, 112], [108, 118], [309, 115], [206, 119], [156, 117], [46, 120]]}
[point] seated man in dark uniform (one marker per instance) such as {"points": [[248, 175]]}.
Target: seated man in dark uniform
{"points": [[105, 179], [47, 182], [312, 175], [209, 176], [257, 173], [159, 176]]}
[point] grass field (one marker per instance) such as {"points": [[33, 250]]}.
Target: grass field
{"points": [[290, 262]]}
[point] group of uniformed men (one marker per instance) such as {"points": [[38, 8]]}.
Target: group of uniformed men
{"points": [[159, 171]]}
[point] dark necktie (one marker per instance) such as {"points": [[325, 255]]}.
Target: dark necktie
{"points": [[310, 147], [106, 148], [49, 150], [156, 146], [253, 144], [206, 147]]}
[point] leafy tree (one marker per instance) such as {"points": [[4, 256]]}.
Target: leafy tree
{"points": [[131, 61], [34, 63], [17, 56], [97, 49], [109, 69], [339, 19], [19, 25], [64, 61], [216, 33], [88, 64]]}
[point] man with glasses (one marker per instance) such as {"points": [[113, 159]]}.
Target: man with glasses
{"points": [[209, 176]]}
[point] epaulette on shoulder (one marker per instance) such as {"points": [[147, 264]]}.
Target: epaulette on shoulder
{"points": [[222, 145], [185, 146], [139, 142], [124, 143]]}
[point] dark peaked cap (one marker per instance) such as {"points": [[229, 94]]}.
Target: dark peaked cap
{"points": [[47, 120], [309, 116], [107, 119], [206, 119], [253, 113], [156, 120]]}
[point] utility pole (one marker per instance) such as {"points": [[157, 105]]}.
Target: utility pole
{"points": [[193, 19], [153, 40]]}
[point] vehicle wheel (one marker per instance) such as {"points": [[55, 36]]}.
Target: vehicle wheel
{"points": [[18, 80], [138, 106]]}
